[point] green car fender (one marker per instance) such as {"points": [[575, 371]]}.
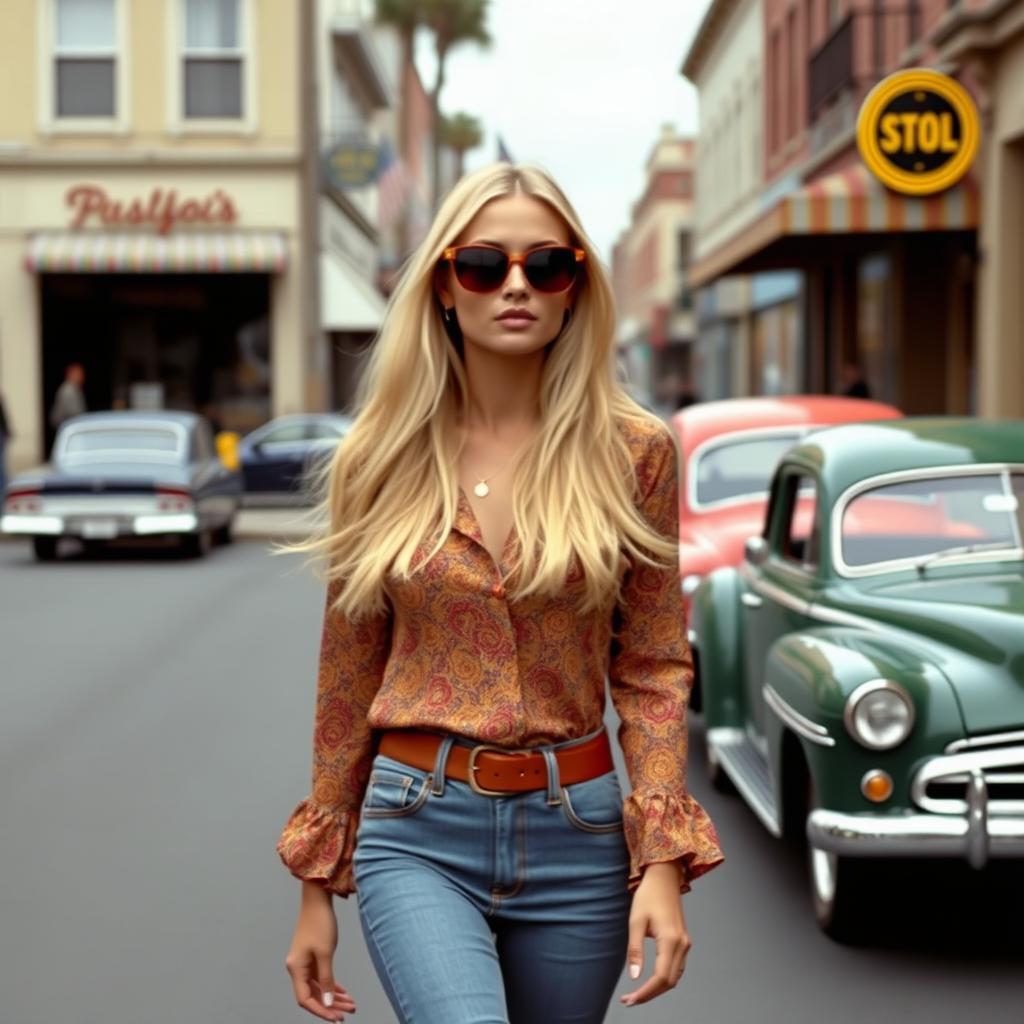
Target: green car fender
{"points": [[715, 624], [812, 673]]}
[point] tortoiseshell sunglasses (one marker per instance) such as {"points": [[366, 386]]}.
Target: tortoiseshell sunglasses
{"points": [[483, 268]]}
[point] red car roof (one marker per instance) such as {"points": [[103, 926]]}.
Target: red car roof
{"points": [[697, 423]]}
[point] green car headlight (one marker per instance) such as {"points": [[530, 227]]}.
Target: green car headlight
{"points": [[879, 714]]}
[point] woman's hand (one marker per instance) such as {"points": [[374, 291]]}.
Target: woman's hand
{"points": [[657, 912], [309, 961]]}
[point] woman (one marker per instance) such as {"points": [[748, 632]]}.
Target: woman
{"points": [[502, 535]]}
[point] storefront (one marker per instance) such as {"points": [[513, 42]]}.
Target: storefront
{"points": [[173, 290], [888, 285]]}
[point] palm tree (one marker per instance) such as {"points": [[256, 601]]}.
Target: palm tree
{"points": [[406, 16], [452, 22], [461, 132]]}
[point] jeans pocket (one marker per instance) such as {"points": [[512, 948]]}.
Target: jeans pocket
{"points": [[594, 805], [394, 789]]}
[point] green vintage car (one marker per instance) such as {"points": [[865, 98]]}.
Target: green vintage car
{"points": [[863, 669]]}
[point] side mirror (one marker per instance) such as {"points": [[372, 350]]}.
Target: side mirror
{"points": [[755, 550]]}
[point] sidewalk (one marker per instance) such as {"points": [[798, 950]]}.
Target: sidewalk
{"points": [[272, 524]]}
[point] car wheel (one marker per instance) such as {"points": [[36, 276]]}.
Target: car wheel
{"points": [[720, 781], [45, 548], [224, 534], [197, 545], [839, 890]]}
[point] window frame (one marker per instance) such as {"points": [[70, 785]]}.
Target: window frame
{"points": [[178, 123], [50, 122], [790, 478], [882, 568]]}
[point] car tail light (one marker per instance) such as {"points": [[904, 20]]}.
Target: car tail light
{"points": [[24, 500], [173, 499]]}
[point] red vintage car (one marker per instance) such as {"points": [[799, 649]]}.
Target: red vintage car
{"points": [[729, 450]]}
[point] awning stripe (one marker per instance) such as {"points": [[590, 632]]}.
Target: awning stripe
{"points": [[95, 252], [846, 201]]}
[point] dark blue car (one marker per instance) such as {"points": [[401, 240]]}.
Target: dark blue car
{"points": [[274, 457]]}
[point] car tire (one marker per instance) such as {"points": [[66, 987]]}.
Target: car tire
{"points": [[197, 545], [839, 890], [720, 781], [45, 548], [225, 534]]}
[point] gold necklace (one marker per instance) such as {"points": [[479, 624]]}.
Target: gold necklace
{"points": [[481, 490]]}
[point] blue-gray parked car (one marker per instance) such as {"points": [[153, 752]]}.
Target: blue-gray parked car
{"points": [[275, 457], [126, 473]]}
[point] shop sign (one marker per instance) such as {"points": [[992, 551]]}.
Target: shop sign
{"points": [[918, 131], [352, 163], [162, 209]]}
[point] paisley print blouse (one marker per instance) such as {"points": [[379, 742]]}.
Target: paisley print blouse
{"points": [[454, 653]]}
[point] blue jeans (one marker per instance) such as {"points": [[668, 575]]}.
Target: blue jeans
{"points": [[493, 909]]}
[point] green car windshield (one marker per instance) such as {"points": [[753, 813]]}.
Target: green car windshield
{"points": [[914, 519]]}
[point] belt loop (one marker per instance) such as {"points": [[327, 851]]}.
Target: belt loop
{"points": [[440, 763], [554, 797]]}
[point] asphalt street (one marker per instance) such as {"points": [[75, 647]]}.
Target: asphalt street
{"points": [[155, 722]]}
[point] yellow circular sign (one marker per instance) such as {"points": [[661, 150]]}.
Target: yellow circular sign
{"points": [[918, 131]]}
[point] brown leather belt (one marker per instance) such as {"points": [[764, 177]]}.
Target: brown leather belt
{"points": [[497, 771]]}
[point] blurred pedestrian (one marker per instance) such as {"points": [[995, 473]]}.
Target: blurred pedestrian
{"points": [[487, 692], [5, 434], [70, 399], [854, 384]]}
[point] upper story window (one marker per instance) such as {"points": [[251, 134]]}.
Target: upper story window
{"points": [[213, 59], [85, 59]]}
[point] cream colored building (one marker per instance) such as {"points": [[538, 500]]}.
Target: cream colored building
{"points": [[151, 210], [987, 36]]}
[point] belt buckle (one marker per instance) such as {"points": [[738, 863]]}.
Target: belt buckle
{"points": [[474, 785]]}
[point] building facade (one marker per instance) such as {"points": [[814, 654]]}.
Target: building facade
{"points": [[649, 260], [889, 288], [151, 184], [749, 338], [356, 89], [985, 39]]}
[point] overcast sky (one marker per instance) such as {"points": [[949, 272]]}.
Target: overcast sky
{"points": [[580, 87]]}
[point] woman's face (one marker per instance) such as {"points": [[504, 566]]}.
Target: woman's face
{"points": [[515, 223]]}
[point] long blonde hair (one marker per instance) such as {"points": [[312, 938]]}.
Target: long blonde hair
{"points": [[392, 482]]}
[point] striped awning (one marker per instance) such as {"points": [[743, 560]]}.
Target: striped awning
{"points": [[94, 252], [849, 201]]}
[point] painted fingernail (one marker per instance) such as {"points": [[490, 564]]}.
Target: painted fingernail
{"points": [[634, 970], [328, 999]]}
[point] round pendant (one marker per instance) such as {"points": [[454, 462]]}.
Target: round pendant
{"points": [[481, 490]]}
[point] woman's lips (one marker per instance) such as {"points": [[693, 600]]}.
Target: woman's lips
{"points": [[516, 323]]}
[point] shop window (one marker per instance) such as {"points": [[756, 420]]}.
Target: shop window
{"points": [[214, 59], [85, 58]]}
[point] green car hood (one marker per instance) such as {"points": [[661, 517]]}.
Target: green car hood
{"points": [[977, 625]]}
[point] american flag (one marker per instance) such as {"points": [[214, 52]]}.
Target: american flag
{"points": [[392, 184]]}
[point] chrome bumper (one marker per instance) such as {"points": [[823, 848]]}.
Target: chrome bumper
{"points": [[123, 526], [975, 836]]}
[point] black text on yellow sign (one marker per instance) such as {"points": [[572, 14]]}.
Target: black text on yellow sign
{"points": [[918, 131]]}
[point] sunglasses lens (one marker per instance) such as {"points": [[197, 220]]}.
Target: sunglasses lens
{"points": [[551, 270], [480, 269]]}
